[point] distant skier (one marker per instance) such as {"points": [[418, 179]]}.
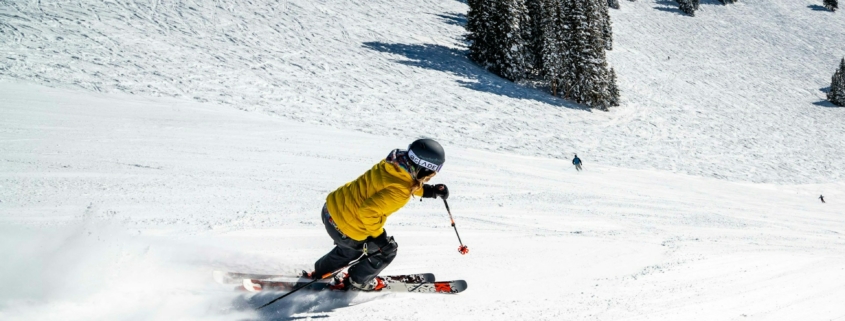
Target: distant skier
{"points": [[577, 162], [821, 197], [355, 213]]}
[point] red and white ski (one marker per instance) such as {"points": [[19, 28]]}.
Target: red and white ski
{"points": [[392, 284], [223, 277]]}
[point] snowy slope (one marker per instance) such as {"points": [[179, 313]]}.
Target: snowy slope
{"points": [[144, 144], [116, 207], [734, 93]]}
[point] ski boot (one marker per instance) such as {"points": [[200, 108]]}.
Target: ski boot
{"points": [[376, 284], [340, 282]]}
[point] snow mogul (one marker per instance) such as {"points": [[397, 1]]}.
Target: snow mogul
{"points": [[355, 213]]}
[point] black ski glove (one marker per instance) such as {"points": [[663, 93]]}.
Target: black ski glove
{"points": [[435, 191], [381, 244]]}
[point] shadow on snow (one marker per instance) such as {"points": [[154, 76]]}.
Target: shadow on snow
{"points": [[672, 6], [457, 19], [320, 303], [825, 103], [456, 62], [816, 7]]}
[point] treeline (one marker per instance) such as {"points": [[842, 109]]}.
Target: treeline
{"points": [[560, 43]]}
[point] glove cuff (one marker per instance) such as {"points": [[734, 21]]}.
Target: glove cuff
{"points": [[428, 191]]}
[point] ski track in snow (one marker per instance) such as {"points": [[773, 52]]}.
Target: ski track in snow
{"points": [[119, 207], [734, 93]]}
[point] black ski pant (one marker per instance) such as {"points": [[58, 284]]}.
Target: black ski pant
{"points": [[346, 250]]}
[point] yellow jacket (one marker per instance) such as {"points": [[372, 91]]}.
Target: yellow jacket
{"points": [[361, 207]]}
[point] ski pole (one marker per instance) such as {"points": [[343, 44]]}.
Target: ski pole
{"points": [[325, 276], [463, 249]]}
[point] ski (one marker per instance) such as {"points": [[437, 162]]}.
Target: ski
{"points": [[223, 277], [392, 284], [449, 287]]}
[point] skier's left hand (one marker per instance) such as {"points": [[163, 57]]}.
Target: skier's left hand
{"points": [[439, 190]]}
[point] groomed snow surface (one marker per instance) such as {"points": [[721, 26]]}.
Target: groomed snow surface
{"points": [[144, 144]]}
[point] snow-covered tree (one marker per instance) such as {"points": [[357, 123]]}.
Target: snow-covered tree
{"points": [[480, 32], [727, 1], [613, 89], [588, 65], [613, 4], [836, 94], [554, 46], [496, 36], [512, 64], [687, 7], [607, 26], [562, 42], [831, 5], [534, 35]]}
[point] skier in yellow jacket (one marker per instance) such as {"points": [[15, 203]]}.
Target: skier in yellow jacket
{"points": [[355, 213]]}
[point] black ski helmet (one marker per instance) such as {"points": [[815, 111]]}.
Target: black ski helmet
{"points": [[427, 155]]}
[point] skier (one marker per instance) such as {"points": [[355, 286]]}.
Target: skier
{"points": [[355, 213], [821, 197], [577, 162]]}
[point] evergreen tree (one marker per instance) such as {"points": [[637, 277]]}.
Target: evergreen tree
{"points": [[496, 38], [687, 7], [613, 89], [554, 46], [607, 27], [831, 5], [480, 33], [567, 74], [588, 61], [512, 62], [535, 35], [836, 94], [613, 4]]}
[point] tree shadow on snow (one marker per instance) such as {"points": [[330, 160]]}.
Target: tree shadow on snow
{"points": [[297, 303], [825, 103], [669, 6], [816, 7], [456, 62], [457, 19], [672, 6]]}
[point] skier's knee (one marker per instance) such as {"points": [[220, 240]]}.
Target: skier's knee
{"points": [[385, 255]]}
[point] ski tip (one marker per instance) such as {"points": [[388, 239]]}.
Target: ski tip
{"points": [[459, 286]]}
